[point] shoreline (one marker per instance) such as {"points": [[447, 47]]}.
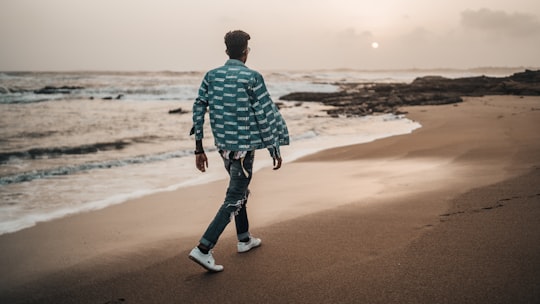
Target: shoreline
{"points": [[395, 125], [390, 184]]}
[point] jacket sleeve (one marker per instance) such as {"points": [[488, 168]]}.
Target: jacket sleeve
{"points": [[269, 121], [200, 106]]}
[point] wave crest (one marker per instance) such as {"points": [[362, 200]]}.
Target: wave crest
{"points": [[67, 170], [55, 152]]}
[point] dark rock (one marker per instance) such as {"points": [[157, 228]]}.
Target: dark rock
{"points": [[528, 77], [177, 111], [119, 96], [310, 96], [57, 90]]}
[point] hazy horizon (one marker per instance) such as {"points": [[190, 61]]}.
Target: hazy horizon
{"points": [[167, 35], [486, 69]]}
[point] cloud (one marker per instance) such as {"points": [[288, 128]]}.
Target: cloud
{"points": [[501, 23], [351, 35], [418, 35]]}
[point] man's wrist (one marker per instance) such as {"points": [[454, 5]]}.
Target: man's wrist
{"points": [[199, 149]]}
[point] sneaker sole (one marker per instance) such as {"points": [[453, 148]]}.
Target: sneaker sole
{"points": [[204, 266]]}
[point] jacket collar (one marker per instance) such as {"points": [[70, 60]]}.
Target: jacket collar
{"points": [[234, 62]]}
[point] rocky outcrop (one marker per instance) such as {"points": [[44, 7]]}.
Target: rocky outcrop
{"points": [[358, 99], [57, 90], [118, 97], [177, 111]]}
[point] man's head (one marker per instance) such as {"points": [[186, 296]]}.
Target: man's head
{"points": [[237, 44]]}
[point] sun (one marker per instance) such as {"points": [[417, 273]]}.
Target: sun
{"points": [[375, 45]]}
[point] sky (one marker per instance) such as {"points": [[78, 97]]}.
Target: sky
{"points": [[185, 35]]}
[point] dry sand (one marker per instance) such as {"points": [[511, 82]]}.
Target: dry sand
{"points": [[448, 214]]}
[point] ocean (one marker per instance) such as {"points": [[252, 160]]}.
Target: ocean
{"points": [[73, 142]]}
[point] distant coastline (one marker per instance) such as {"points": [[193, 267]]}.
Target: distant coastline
{"points": [[427, 71]]}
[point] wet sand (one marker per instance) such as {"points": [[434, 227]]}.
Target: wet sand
{"points": [[447, 214]]}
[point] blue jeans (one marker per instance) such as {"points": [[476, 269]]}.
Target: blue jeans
{"points": [[240, 172]]}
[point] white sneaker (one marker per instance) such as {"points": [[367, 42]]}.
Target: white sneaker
{"points": [[247, 246], [205, 260]]}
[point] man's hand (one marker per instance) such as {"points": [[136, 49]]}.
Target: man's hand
{"points": [[201, 162], [277, 163]]}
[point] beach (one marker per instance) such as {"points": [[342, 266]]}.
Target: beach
{"points": [[446, 214]]}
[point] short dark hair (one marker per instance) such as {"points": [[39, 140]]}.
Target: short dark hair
{"points": [[236, 42]]}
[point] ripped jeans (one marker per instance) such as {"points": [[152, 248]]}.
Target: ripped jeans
{"points": [[240, 172]]}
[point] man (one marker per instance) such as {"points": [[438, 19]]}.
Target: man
{"points": [[243, 119]]}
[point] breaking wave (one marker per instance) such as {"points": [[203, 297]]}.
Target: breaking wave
{"points": [[68, 170], [55, 152]]}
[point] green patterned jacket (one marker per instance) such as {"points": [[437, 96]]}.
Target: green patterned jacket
{"points": [[242, 115]]}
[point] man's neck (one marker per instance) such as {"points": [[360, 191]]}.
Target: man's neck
{"points": [[243, 59]]}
